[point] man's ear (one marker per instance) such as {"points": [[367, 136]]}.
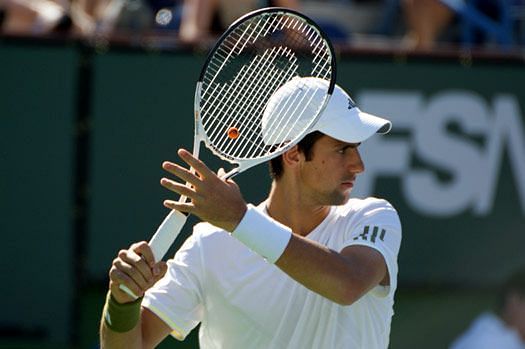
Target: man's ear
{"points": [[292, 156]]}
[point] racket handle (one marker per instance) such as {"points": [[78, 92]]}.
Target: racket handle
{"points": [[128, 291], [162, 240], [166, 234]]}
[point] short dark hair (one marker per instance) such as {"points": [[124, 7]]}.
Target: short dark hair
{"points": [[305, 146]]}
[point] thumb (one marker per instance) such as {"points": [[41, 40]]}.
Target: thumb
{"points": [[221, 173]]}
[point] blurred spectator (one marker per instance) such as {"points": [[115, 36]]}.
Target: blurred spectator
{"points": [[504, 329], [85, 17], [35, 16], [202, 18], [87, 14], [132, 16], [426, 20], [473, 22]]}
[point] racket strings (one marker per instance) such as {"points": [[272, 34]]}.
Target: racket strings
{"points": [[323, 66], [255, 148], [281, 123], [225, 51], [284, 124], [234, 39], [255, 60], [324, 71], [254, 101], [238, 90], [243, 75], [230, 114], [258, 148], [281, 118], [215, 72], [230, 53]]}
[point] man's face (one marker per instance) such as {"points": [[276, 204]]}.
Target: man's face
{"points": [[329, 176]]}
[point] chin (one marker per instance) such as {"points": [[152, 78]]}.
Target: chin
{"points": [[340, 199]]}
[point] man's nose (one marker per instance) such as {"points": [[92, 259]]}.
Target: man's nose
{"points": [[357, 165]]}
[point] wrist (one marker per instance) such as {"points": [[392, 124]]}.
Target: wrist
{"points": [[242, 212], [121, 317], [262, 234]]}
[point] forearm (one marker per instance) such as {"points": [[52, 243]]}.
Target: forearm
{"points": [[121, 326], [113, 340], [342, 279], [125, 323]]}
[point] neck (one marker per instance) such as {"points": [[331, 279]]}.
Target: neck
{"points": [[286, 205]]}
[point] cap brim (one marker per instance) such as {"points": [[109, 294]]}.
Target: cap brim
{"points": [[355, 126]]}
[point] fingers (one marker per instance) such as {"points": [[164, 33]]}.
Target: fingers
{"points": [[160, 269], [181, 207], [179, 171], [117, 278], [197, 180], [136, 269], [178, 188], [197, 164], [202, 171], [135, 266], [142, 248], [213, 199]]}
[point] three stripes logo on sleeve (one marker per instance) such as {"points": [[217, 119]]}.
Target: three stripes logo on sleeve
{"points": [[371, 237]]}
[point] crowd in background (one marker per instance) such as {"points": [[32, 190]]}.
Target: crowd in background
{"points": [[414, 24]]}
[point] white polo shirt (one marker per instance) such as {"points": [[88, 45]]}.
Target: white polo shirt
{"points": [[242, 301], [488, 331]]}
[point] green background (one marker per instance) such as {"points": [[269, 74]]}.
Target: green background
{"points": [[84, 131]]}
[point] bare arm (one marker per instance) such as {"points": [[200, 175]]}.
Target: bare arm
{"points": [[110, 339], [148, 333], [341, 277], [136, 269]]}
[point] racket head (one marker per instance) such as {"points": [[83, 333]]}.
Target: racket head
{"points": [[256, 58]]}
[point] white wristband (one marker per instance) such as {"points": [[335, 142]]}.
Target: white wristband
{"points": [[262, 234]]}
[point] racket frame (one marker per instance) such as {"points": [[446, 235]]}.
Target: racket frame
{"points": [[200, 134]]}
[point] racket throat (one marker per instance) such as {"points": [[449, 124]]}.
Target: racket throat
{"points": [[230, 174]]}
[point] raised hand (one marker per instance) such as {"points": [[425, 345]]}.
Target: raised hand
{"points": [[212, 199]]}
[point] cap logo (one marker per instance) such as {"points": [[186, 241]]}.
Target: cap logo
{"points": [[351, 103]]}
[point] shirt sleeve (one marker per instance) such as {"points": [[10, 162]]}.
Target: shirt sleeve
{"points": [[378, 226], [177, 297]]}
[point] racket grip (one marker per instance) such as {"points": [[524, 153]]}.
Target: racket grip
{"points": [[128, 291], [166, 234], [162, 240]]}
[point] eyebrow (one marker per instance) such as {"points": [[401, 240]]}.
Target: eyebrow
{"points": [[348, 145]]}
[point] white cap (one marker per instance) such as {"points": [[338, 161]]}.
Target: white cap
{"points": [[341, 119]]}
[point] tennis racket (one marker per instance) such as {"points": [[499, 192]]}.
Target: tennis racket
{"points": [[266, 53]]}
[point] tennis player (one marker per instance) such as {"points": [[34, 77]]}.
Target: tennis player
{"points": [[309, 267]]}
